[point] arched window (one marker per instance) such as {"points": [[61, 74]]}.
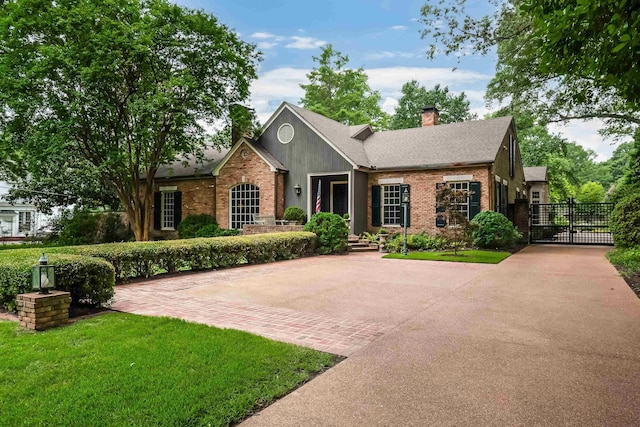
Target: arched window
{"points": [[245, 203]]}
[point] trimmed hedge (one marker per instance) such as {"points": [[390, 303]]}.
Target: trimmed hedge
{"points": [[625, 222], [89, 280], [494, 230], [146, 259]]}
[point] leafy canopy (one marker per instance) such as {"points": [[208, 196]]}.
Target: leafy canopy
{"points": [[124, 86], [340, 93], [415, 97]]}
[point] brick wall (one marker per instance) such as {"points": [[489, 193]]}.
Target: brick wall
{"points": [[521, 217], [423, 194], [197, 198], [43, 311], [253, 170], [261, 229]]}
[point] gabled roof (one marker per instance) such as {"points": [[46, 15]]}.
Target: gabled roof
{"points": [[535, 174], [473, 142], [273, 163]]}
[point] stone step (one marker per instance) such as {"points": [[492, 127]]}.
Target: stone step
{"points": [[371, 248]]}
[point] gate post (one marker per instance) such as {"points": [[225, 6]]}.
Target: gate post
{"points": [[571, 218]]}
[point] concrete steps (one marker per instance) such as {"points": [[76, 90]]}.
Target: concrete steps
{"points": [[355, 244]]}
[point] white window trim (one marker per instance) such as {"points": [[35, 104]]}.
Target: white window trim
{"points": [[383, 181], [231, 205], [382, 205], [293, 133], [457, 178], [164, 191], [468, 204]]}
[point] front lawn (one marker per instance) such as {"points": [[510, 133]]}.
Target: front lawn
{"points": [[477, 256], [122, 369]]}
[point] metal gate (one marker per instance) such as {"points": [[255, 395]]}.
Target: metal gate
{"points": [[571, 223]]}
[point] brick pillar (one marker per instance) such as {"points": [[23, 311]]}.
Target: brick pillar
{"points": [[43, 311], [521, 217]]}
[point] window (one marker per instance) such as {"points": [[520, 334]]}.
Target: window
{"points": [[535, 197], [25, 220], [168, 210], [245, 203], [512, 155], [462, 186], [285, 133], [391, 209]]}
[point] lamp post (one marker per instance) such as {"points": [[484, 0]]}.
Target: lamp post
{"points": [[43, 275], [406, 199]]}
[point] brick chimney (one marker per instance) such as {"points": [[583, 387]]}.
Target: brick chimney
{"points": [[430, 116]]}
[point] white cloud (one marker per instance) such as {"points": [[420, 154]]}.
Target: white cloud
{"points": [[389, 55], [586, 134], [305, 43], [398, 27], [261, 35], [389, 105], [267, 45]]}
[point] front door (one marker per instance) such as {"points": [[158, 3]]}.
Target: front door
{"points": [[339, 198]]}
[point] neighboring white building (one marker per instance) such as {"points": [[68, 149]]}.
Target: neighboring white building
{"points": [[538, 183], [19, 220]]}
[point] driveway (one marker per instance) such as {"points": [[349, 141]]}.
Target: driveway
{"points": [[551, 336], [337, 304]]}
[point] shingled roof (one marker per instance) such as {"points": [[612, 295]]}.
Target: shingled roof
{"points": [[191, 166], [535, 173], [472, 142]]}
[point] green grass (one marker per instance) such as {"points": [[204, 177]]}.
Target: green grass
{"points": [[121, 369], [483, 257]]}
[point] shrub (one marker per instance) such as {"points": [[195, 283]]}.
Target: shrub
{"points": [[627, 259], [331, 230], [87, 228], [294, 213], [146, 259], [493, 230], [415, 242], [625, 222], [212, 230], [89, 280], [189, 226]]}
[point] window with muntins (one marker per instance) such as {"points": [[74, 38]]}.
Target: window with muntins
{"points": [[535, 197], [391, 209], [462, 186], [245, 204], [168, 211], [25, 220]]}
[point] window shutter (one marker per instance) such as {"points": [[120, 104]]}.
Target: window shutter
{"points": [[375, 206], [177, 208], [441, 221], [474, 200], [439, 208], [157, 210]]}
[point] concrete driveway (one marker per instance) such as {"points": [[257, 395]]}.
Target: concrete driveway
{"points": [[551, 336]]}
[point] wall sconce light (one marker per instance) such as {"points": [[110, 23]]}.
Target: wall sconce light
{"points": [[297, 189]]}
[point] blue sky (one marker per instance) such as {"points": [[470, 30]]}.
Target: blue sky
{"points": [[382, 36]]}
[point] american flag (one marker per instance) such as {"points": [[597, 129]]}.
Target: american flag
{"points": [[318, 198]]}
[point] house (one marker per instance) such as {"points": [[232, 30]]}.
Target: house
{"points": [[301, 156], [18, 220], [538, 183]]}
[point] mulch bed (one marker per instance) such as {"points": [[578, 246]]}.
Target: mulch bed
{"points": [[634, 282]]}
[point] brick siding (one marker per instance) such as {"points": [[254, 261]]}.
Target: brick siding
{"points": [[423, 194]]}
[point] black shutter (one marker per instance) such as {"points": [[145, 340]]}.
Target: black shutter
{"points": [[441, 221], [375, 206], [474, 200], [505, 199], [157, 212], [177, 208]]}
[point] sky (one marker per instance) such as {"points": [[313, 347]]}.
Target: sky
{"points": [[382, 36]]}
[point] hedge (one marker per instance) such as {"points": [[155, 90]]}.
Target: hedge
{"points": [[89, 280], [90, 272], [147, 259]]}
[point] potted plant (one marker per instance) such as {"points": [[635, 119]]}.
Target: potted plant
{"points": [[347, 219], [382, 234], [295, 215]]}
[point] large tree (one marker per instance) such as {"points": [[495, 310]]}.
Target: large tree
{"points": [[122, 85], [452, 108], [559, 59], [341, 93]]}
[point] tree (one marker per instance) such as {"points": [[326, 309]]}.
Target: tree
{"points": [[414, 97], [591, 192], [554, 58], [457, 231], [340, 93], [122, 85]]}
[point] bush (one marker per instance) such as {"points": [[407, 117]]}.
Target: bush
{"points": [[146, 259], [88, 228], [189, 226], [493, 230], [415, 242], [212, 230], [89, 280], [628, 260], [332, 232], [294, 213], [625, 222]]}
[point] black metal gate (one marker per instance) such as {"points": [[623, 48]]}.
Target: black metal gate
{"points": [[570, 223]]}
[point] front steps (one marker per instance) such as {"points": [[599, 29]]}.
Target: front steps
{"points": [[355, 244]]}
